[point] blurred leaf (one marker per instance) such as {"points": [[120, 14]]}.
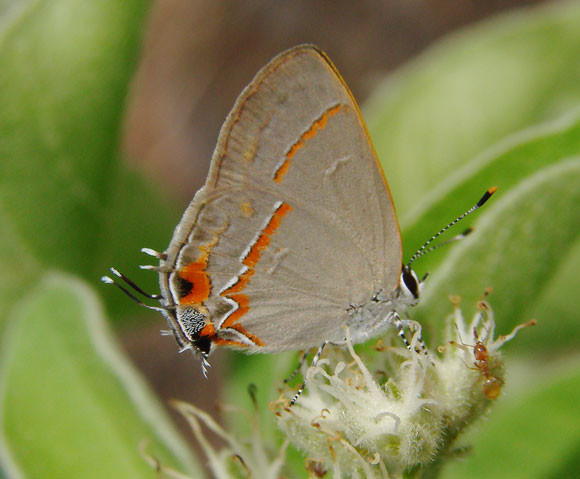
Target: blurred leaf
{"points": [[470, 91], [531, 434], [72, 406], [503, 165], [558, 307], [66, 67], [137, 219], [267, 373]]}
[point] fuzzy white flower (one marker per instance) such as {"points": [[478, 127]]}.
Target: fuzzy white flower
{"points": [[361, 427]]}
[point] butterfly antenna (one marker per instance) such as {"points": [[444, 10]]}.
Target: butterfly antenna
{"points": [[458, 237], [135, 286], [109, 280], [423, 250]]}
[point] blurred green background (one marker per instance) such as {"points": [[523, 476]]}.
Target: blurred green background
{"points": [[109, 112]]}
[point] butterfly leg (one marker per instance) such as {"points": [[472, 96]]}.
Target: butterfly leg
{"points": [[424, 349], [297, 370], [400, 325], [401, 330], [314, 363]]}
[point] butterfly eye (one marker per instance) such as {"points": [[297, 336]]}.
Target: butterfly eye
{"points": [[411, 281]]}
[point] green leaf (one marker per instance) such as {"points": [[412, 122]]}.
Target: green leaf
{"points": [[557, 304], [533, 433], [528, 229], [71, 405], [63, 199], [472, 90]]}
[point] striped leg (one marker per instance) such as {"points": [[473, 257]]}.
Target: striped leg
{"points": [[297, 370], [424, 348], [401, 330], [399, 324], [314, 363]]}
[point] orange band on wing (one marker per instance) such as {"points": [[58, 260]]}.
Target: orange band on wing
{"points": [[264, 239], [251, 259], [318, 125]]}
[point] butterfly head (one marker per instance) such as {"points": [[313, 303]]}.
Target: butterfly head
{"points": [[410, 286]]}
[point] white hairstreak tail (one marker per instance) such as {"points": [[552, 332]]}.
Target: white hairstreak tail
{"points": [[294, 234]]}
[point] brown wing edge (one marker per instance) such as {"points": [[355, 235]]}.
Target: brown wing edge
{"points": [[328, 61]]}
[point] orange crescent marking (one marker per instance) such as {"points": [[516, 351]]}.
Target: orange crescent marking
{"points": [[195, 272], [243, 307], [317, 126], [209, 330]]}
